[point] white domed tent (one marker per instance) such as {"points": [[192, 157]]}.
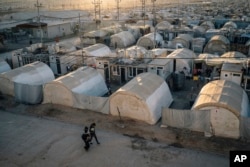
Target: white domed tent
{"points": [[150, 40], [134, 30], [233, 54], [217, 45], [92, 52], [229, 25], [164, 25], [184, 59], [209, 59], [81, 88], [199, 31], [207, 25], [227, 103], [25, 83], [142, 98], [184, 40], [135, 52], [122, 39], [4, 66]]}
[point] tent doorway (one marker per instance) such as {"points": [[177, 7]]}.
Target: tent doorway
{"points": [[106, 72], [123, 75]]}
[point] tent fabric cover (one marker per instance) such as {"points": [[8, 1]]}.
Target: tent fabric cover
{"points": [[122, 39], [34, 95], [142, 98], [217, 44], [184, 58], [164, 25], [80, 89], [207, 25], [233, 54], [84, 80], [36, 73], [4, 66], [149, 40], [184, 39], [224, 94]]}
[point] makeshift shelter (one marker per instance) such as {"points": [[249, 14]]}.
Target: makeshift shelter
{"points": [[141, 98], [207, 25], [164, 25], [217, 45], [135, 30], [81, 88], [198, 44], [209, 59], [184, 60], [135, 52], [234, 55], [25, 83], [211, 32], [94, 51], [227, 103], [182, 41], [230, 25], [228, 57], [122, 39], [199, 31], [150, 40], [159, 52], [4, 66], [93, 37]]}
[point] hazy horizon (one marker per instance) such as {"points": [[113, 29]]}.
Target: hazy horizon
{"points": [[78, 4]]}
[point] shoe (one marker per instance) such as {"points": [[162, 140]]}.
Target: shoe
{"points": [[90, 143], [98, 143]]}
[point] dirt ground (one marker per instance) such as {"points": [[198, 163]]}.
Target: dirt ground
{"points": [[175, 137], [139, 132]]}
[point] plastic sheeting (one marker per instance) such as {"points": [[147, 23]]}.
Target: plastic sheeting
{"points": [[142, 98], [187, 119]]}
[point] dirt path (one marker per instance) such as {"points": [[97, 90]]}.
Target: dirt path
{"points": [[172, 136]]}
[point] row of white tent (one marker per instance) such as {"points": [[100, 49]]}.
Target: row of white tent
{"points": [[85, 89], [221, 108]]}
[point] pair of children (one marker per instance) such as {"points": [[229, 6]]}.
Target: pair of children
{"points": [[88, 134]]}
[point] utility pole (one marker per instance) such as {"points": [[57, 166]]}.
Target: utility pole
{"points": [[39, 5], [154, 21], [97, 6], [118, 8], [143, 4]]}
